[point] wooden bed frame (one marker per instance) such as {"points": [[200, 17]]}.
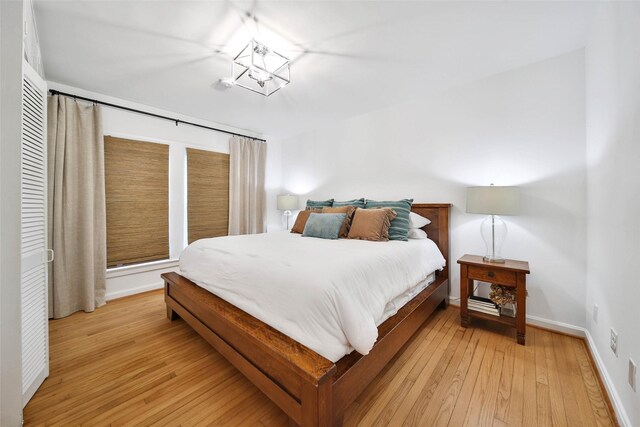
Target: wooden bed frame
{"points": [[310, 389]]}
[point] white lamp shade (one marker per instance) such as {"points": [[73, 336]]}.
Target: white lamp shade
{"points": [[493, 200], [287, 202]]}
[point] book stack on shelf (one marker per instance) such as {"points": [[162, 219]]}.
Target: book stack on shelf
{"points": [[483, 305]]}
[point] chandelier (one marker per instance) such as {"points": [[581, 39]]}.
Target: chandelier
{"points": [[260, 69]]}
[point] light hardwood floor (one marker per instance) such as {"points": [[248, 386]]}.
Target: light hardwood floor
{"points": [[126, 364]]}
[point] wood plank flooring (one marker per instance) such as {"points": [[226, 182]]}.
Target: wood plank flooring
{"points": [[126, 364]]}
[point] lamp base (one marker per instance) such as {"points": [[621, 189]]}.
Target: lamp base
{"points": [[494, 231], [287, 214]]}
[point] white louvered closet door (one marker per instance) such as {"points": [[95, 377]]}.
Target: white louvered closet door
{"points": [[35, 330]]}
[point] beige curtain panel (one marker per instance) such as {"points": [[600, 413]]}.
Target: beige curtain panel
{"points": [[77, 214], [247, 196]]}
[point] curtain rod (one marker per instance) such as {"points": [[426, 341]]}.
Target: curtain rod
{"points": [[122, 107]]}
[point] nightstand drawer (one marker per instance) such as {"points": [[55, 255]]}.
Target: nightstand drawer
{"points": [[487, 274]]}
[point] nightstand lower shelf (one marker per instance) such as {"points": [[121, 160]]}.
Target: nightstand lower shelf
{"points": [[511, 321]]}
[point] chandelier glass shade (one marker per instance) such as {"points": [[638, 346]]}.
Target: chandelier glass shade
{"points": [[260, 69]]}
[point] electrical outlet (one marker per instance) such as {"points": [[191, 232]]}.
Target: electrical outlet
{"points": [[595, 313], [632, 374], [614, 342]]}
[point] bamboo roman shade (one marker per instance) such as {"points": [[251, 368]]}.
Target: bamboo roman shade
{"points": [[207, 194], [137, 194]]}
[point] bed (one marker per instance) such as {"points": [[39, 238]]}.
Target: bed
{"points": [[311, 389]]}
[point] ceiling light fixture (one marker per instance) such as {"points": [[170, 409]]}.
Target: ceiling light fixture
{"points": [[260, 69]]}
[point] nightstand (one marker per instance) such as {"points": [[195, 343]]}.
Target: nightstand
{"points": [[510, 273]]}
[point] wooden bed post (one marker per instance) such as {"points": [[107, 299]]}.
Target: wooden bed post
{"points": [[317, 404], [171, 315], [443, 245]]}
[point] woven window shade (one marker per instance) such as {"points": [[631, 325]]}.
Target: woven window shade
{"points": [[137, 193], [207, 194]]}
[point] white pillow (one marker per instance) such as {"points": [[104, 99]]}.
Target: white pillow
{"points": [[417, 221], [416, 233]]}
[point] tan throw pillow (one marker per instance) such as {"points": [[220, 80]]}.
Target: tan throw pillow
{"points": [[371, 224], [346, 225], [301, 220]]}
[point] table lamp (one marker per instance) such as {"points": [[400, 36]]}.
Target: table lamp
{"points": [[493, 201], [287, 203]]}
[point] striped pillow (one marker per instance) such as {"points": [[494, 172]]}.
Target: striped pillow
{"points": [[399, 228], [319, 204], [358, 203]]}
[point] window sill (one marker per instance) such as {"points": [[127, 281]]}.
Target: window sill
{"points": [[141, 268]]}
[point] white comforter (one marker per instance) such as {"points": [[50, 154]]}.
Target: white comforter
{"points": [[329, 295]]}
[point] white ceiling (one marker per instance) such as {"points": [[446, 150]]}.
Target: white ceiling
{"points": [[348, 57]]}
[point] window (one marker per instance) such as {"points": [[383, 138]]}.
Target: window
{"points": [[137, 197], [207, 194]]}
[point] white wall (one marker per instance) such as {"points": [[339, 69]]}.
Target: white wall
{"points": [[129, 280], [11, 53], [31, 43], [613, 194], [524, 127]]}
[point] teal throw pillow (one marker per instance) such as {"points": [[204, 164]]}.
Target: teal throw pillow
{"points": [[324, 226], [315, 204], [358, 203], [399, 228]]}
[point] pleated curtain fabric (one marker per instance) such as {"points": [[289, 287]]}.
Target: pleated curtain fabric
{"points": [[77, 213], [247, 196]]}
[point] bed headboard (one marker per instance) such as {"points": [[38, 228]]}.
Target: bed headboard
{"points": [[438, 230]]}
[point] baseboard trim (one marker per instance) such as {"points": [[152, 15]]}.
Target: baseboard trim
{"points": [[553, 325], [132, 291], [146, 267], [580, 332], [614, 397]]}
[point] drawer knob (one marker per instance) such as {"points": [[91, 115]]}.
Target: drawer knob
{"points": [[490, 274]]}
